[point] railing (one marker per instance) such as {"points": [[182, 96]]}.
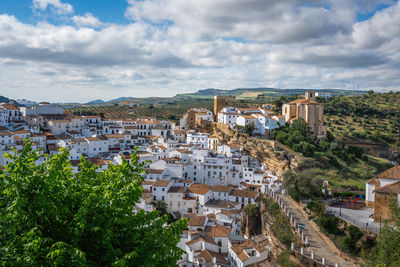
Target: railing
{"points": [[351, 220], [304, 251]]}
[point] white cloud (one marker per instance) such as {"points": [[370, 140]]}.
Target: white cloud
{"points": [[87, 20], [59, 7], [184, 45]]}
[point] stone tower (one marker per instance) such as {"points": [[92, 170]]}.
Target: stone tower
{"points": [[221, 102]]}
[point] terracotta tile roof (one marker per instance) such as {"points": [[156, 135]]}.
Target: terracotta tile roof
{"points": [[205, 256], [239, 251], [392, 173], [131, 127], [199, 189], [79, 140], [114, 135], [5, 133], [220, 231], [9, 106], [221, 188], [193, 241], [303, 101], [243, 193], [98, 161], [153, 170], [148, 182], [197, 220], [22, 132], [248, 117], [393, 188], [94, 139], [161, 183], [225, 212]]}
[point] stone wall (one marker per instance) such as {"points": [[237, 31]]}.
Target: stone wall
{"points": [[382, 206]]}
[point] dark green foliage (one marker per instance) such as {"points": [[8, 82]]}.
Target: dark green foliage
{"points": [[280, 224], [372, 116], [301, 185], [387, 252], [354, 232], [249, 129], [51, 216], [351, 240], [300, 139], [349, 245], [161, 206], [284, 259], [251, 209], [329, 224], [318, 207]]}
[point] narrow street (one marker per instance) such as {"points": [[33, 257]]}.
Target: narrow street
{"points": [[316, 244]]}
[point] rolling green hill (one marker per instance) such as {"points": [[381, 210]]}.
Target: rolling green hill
{"points": [[372, 117], [241, 93], [259, 92]]}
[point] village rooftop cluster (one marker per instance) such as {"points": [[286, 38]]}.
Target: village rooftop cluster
{"points": [[188, 168]]}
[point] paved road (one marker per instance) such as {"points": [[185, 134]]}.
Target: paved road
{"points": [[316, 243], [360, 217]]}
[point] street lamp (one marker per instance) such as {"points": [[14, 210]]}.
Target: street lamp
{"points": [[380, 221], [340, 206]]}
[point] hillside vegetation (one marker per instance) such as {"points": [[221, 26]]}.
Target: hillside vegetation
{"points": [[344, 167], [169, 111], [369, 117], [246, 93]]}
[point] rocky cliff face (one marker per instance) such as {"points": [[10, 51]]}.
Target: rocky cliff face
{"points": [[269, 152]]}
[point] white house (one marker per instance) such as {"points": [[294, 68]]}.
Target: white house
{"points": [[229, 150], [243, 196], [97, 145], [384, 178], [323, 94], [250, 252], [160, 190], [199, 139], [244, 120]]}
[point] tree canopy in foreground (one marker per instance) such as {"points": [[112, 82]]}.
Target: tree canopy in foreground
{"points": [[51, 216]]}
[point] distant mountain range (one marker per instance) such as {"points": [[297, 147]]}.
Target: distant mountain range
{"points": [[240, 93], [97, 101], [4, 99]]}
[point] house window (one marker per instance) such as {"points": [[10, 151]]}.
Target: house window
{"points": [[162, 198]]}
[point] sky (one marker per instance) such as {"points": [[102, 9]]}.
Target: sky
{"points": [[77, 51]]}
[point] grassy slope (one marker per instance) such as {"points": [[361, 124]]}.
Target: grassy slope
{"points": [[349, 175], [365, 118]]}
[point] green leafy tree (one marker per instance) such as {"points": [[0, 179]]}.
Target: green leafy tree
{"points": [[51, 216], [161, 206], [387, 252], [301, 185], [249, 129]]}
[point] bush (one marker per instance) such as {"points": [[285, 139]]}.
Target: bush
{"points": [[354, 232], [330, 225]]}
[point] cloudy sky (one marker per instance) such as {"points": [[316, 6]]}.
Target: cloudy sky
{"points": [[74, 50]]}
